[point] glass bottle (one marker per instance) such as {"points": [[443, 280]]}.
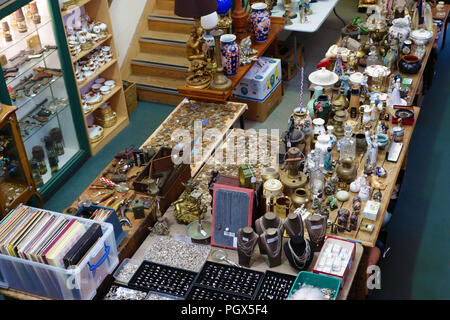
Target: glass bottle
{"points": [[347, 144], [316, 177], [57, 137], [354, 102], [372, 59], [6, 31]]}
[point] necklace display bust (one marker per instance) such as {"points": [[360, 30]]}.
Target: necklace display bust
{"points": [[294, 225], [317, 228], [246, 242], [298, 252], [271, 241], [268, 220]]}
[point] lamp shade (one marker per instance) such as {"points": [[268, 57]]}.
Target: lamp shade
{"points": [[209, 21], [224, 6], [194, 8]]}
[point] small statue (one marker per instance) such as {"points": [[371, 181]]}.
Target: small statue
{"points": [[332, 202], [246, 50], [354, 221], [200, 78], [160, 228], [331, 185], [357, 204], [328, 163], [372, 153], [187, 208]]}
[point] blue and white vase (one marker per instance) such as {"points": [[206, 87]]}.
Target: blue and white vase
{"points": [[260, 20], [230, 54]]}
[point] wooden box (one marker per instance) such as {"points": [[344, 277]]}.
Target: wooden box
{"points": [[131, 96], [172, 182], [261, 110]]}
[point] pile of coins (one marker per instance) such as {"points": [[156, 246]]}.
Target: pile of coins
{"points": [[178, 254]]}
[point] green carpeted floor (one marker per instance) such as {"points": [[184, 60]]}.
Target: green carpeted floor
{"points": [[417, 265]]}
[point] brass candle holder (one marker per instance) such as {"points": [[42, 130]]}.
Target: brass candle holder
{"points": [[220, 81]]}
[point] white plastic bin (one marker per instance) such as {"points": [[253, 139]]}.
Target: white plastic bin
{"points": [[79, 283]]}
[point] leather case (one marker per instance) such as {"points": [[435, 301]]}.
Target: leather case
{"points": [[83, 245]]}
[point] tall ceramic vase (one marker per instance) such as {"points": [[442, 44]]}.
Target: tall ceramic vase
{"points": [[260, 20], [230, 54]]}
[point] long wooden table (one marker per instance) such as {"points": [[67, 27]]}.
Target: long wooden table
{"points": [[259, 262], [276, 27], [228, 112]]}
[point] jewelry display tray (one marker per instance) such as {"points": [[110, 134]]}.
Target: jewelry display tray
{"points": [[156, 277], [276, 278], [226, 276]]}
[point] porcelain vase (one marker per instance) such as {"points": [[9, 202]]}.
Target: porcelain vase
{"points": [[260, 21], [230, 54]]}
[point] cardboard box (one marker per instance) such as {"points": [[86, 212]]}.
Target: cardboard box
{"points": [[336, 251], [260, 81], [261, 110], [371, 210]]}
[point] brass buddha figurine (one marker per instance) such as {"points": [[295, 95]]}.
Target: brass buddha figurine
{"points": [[200, 77]]}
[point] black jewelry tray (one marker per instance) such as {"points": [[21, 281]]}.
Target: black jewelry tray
{"points": [[232, 280], [157, 277], [278, 280], [202, 293]]}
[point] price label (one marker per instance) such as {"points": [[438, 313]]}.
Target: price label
{"points": [[316, 227], [203, 233], [229, 234], [244, 239], [271, 240]]}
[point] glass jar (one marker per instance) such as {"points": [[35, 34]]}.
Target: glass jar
{"points": [[347, 144], [372, 59]]}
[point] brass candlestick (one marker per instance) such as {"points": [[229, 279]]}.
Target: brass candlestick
{"points": [[220, 81]]}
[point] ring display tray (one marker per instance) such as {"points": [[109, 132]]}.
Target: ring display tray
{"points": [[164, 279], [200, 293], [228, 279], [275, 286]]}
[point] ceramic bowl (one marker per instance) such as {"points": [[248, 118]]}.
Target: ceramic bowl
{"points": [[105, 90], [356, 78], [110, 83], [99, 80], [377, 71], [409, 64], [96, 87], [323, 78]]}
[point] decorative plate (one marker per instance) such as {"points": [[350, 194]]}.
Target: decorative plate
{"points": [[378, 71]]}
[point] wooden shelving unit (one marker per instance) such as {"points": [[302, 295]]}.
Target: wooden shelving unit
{"points": [[98, 10]]}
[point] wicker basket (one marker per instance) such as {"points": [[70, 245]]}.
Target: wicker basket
{"points": [[130, 96]]}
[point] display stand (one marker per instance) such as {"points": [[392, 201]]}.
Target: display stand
{"points": [[21, 176], [98, 10]]}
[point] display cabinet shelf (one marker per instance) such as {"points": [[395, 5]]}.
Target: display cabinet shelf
{"points": [[23, 101], [84, 53], [78, 5], [19, 37], [105, 99], [97, 73], [35, 130], [98, 11], [49, 117], [30, 65], [109, 133]]}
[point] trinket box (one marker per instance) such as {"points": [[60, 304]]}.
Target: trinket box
{"points": [[160, 278], [406, 113], [336, 258], [168, 177], [371, 210]]}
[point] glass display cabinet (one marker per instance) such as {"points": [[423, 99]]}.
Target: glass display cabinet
{"points": [[16, 182], [39, 80]]}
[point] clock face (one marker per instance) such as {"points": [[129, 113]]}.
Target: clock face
{"points": [[404, 114]]}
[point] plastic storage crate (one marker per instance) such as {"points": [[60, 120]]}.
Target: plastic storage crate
{"points": [[78, 283], [316, 280], [119, 233]]}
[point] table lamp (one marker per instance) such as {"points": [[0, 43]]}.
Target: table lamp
{"points": [[209, 23], [195, 9]]}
